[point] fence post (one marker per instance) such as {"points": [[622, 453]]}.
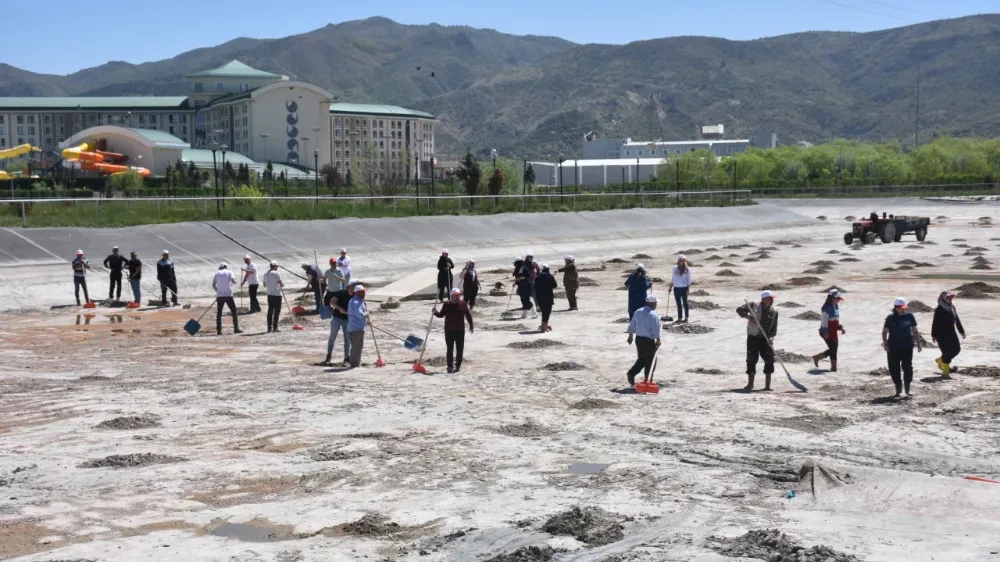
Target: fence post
{"points": [[24, 215], [459, 200], [522, 201], [157, 209], [354, 206], [98, 207], [494, 204], [268, 207], [206, 207]]}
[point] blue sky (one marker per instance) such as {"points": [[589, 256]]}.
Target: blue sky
{"points": [[72, 35]]}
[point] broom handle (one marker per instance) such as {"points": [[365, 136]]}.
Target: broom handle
{"points": [[388, 333], [423, 348], [284, 298], [207, 309], [764, 334], [375, 341]]}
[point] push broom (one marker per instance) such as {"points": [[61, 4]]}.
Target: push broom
{"points": [[418, 367], [378, 362], [296, 325]]}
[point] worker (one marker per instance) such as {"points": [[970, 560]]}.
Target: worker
{"points": [[135, 276], [312, 282], [167, 278], [357, 321], [251, 280], [470, 284], [645, 328], [445, 265], [223, 284], [455, 313], [638, 287], [680, 285], [115, 262], [757, 341], [273, 285], [830, 328], [874, 218], [571, 280], [340, 302], [334, 281], [523, 288], [344, 264], [80, 267], [944, 334], [899, 335], [545, 286]]}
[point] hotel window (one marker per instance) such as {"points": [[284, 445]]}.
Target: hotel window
{"points": [[729, 150], [336, 132], [199, 87], [31, 130], [628, 153], [48, 142], [46, 119], [1, 119], [31, 119], [20, 119], [170, 118], [142, 119], [219, 86], [184, 129]]}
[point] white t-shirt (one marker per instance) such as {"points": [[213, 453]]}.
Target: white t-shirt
{"points": [[252, 278], [344, 263], [271, 280], [680, 281], [224, 283]]}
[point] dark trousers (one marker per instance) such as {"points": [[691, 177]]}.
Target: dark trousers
{"points": [[357, 345], [949, 350], [170, 284], [80, 281], [470, 298], [444, 285], [571, 297], [116, 282], [831, 349], [455, 340], [546, 311], [757, 348], [645, 349], [901, 366], [219, 303], [273, 310], [254, 304], [681, 298], [317, 294], [525, 300]]}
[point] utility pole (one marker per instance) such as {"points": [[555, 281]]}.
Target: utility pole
{"points": [[916, 134]]}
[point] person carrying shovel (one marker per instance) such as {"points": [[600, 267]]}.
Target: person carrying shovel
{"points": [[645, 327], [357, 321], [340, 302], [167, 277], [757, 344], [545, 286], [444, 266], [80, 266], [223, 284], [455, 313], [470, 284], [571, 280]]}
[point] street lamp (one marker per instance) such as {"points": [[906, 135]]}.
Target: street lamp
{"points": [[265, 137], [316, 165], [215, 170], [223, 148], [637, 188], [560, 175], [305, 147]]}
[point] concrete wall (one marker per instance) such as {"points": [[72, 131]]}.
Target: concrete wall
{"points": [[288, 114]]}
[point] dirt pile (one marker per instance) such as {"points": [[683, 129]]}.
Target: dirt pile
{"points": [[788, 304], [503, 327], [774, 546], [727, 264], [131, 461], [144, 421], [919, 306], [981, 267], [816, 271], [688, 328], [979, 286], [642, 257], [808, 315], [727, 273], [527, 554], [588, 282], [328, 454], [821, 218], [913, 247], [564, 366], [614, 260], [530, 428], [590, 525], [790, 357], [622, 320], [849, 218], [691, 252], [704, 371], [907, 262], [593, 404], [823, 263], [371, 525], [703, 305], [699, 293], [713, 257], [981, 371], [534, 344], [879, 372], [802, 281], [850, 260], [834, 287]]}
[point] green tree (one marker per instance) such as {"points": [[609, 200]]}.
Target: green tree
{"points": [[529, 176], [469, 173], [495, 185], [127, 182], [192, 174]]}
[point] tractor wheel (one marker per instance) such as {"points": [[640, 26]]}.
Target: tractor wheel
{"points": [[921, 234], [898, 237], [869, 237], [888, 233], [848, 238]]}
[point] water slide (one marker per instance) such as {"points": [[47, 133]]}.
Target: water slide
{"points": [[99, 161], [14, 152]]}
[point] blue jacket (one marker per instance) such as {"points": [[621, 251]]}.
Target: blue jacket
{"points": [[638, 286], [357, 315]]}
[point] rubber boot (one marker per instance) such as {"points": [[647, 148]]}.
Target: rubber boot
{"points": [[940, 363], [906, 391], [899, 389], [833, 365], [945, 370], [767, 382], [236, 326], [816, 359], [524, 314], [749, 386]]}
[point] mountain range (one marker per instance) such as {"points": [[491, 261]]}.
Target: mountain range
{"points": [[535, 97]]}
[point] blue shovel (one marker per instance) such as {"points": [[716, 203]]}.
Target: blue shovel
{"points": [[410, 342]]}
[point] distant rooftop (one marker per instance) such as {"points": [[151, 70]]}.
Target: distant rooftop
{"points": [[377, 109], [161, 139], [95, 103], [234, 69]]}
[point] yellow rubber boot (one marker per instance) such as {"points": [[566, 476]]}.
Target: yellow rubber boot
{"points": [[945, 370], [940, 363]]}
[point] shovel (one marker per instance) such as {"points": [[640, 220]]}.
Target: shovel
{"points": [[378, 362], [418, 367], [648, 386], [666, 313], [193, 326], [794, 383], [410, 342], [325, 312], [291, 312]]}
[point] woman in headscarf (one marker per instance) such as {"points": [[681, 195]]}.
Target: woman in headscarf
{"points": [[522, 283], [545, 287], [470, 284], [638, 287], [830, 328], [945, 331], [680, 282]]}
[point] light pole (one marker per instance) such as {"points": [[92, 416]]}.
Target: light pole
{"points": [[560, 176], [305, 146], [215, 170], [637, 188], [316, 165], [223, 148], [265, 137]]}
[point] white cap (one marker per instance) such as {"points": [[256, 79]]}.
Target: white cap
{"points": [[455, 291], [165, 252], [651, 298], [79, 252], [359, 288], [343, 250], [900, 301], [529, 255], [766, 294], [273, 264], [444, 250], [568, 258], [835, 293], [114, 247], [472, 261], [545, 266], [246, 257], [640, 266], [682, 257], [223, 266]]}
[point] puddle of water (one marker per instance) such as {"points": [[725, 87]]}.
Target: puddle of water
{"points": [[587, 468], [249, 533]]}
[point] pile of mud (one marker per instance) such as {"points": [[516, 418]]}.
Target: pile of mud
{"points": [[529, 428], [713, 257], [727, 273], [704, 371], [834, 288], [328, 454], [131, 461], [977, 290], [534, 344], [981, 267], [527, 554], [849, 259], [688, 328], [788, 304], [790, 357], [622, 320], [879, 372], [507, 327], [703, 305], [801, 281], [699, 293], [614, 260], [593, 404], [919, 306], [981, 371], [588, 282], [590, 525], [808, 315], [144, 421], [371, 525], [564, 366], [774, 546], [642, 257]]}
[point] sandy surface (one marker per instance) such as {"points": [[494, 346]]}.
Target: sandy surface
{"points": [[247, 452]]}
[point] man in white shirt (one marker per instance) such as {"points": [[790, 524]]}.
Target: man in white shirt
{"points": [[645, 326], [223, 285], [250, 279], [273, 285], [344, 265], [334, 281]]}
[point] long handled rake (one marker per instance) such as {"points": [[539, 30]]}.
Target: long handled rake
{"points": [[794, 383]]}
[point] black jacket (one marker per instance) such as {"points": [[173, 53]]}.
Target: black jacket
{"points": [[545, 286], [943, 328], [135, 269], [470, 283], [445, 265], [115, 262], [165, 270]]}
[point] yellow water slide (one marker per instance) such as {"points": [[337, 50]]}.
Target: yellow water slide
{"points": [[14, 152]]}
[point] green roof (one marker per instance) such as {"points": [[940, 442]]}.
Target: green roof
{"points": [[234, 69], [161, 138], [377, 109], [92, 103], [203, 157]]}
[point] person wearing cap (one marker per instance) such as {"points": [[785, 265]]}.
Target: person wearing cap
{"points": [[115, 262], [944, 333], [571, 280], [545, 288], [80, 267], [273, 285], [223, 284], [357, 321], [680, 284], [830, 328], [312, 282], [251, 280], [340, 303], [445, 265], [470, 284], [455, 313], [523, 287], [135, 276], [638, 287], [645, 327], [757, 344], [344, 265], [335, 281], [167, 278], [899, 335]]}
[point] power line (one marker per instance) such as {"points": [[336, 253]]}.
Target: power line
{"points": [[850, 7], [903, 9]]}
